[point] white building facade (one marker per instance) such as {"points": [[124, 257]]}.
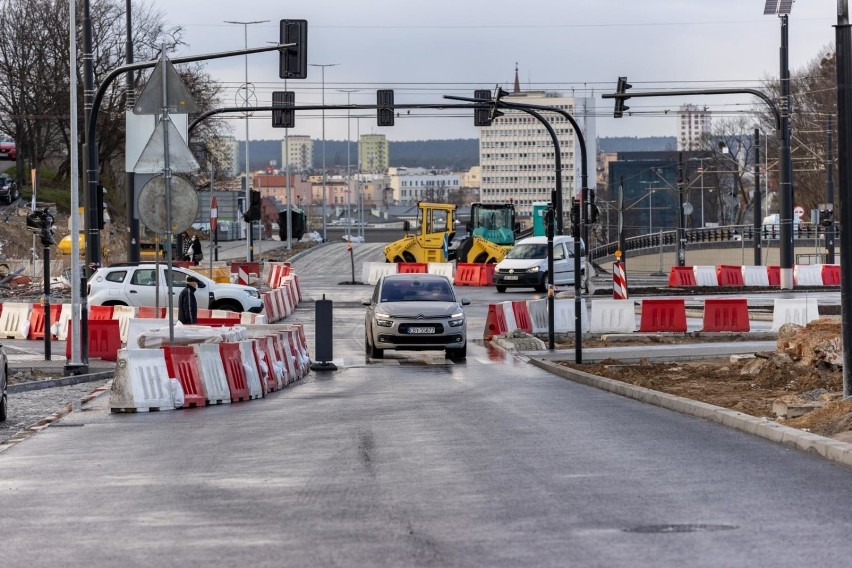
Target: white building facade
{"points": [[517, 155], [418, 184], [692, 124], [300, 151]]}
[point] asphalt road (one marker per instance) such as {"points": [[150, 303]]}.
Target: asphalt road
{"points": [[415, 461]]}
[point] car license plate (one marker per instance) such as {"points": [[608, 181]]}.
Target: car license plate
{"points": [[421, 330], [511, 277]]}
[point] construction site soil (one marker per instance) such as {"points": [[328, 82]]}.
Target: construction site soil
{"points": [[799, 384]]}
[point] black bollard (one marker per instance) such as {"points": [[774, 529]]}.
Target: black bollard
{"points": [[324, 338]]}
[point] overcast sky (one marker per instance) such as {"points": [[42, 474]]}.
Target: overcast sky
{"points": [[426, 49]]}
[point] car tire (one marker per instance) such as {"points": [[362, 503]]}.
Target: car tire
{"points": [[3, 409], [457, 355], [372, 351], [229, 305], [543, 286], [500, 289]]}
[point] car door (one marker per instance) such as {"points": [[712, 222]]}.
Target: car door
{"points": [[202, 296], [563, 264], [142, 288]]}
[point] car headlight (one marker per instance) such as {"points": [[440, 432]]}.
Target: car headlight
{"points": [[251, 293], [383, 318], [457, 318], [534, 269]]}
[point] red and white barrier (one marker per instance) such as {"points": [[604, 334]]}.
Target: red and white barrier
{"points": [[613, 316], [212, 373], [141, 382]]}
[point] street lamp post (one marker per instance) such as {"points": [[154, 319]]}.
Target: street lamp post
{"points": [[322, 66], [250, 235], [348, 160]]}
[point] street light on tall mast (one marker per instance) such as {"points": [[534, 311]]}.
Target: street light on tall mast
{"points": [[322, 66], [249, 235]]}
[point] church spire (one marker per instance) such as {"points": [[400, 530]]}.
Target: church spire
{"points": [[517, 89]]}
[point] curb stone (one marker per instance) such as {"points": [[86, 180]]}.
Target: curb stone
{"points": [[833, 450]]}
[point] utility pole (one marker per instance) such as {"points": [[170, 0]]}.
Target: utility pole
{"points": [[758, 222], [829, 194], [843, 49]]}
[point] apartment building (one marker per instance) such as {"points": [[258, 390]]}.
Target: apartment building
{"points": [[373, 153], [517, 155], [692, 124], [299, 150]]}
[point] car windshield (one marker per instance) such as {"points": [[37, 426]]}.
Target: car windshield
{"points": [[416, 291], [528, 250]]}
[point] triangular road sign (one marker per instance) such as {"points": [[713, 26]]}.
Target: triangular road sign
{"points": [[178, 98], [152, 161]]}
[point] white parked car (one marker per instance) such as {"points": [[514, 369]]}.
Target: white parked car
{"points": [[526, 264], [136, 285]]}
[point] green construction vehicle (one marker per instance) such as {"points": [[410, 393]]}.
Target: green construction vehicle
{"points": [[492, 231]]}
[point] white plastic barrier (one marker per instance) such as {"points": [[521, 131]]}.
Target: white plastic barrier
{"points": [[15, 320], [251, 370], [613, 316], [212, 371], [372, 271], [279, 368], [808, 274], [796, 310], [123, 314], [563, 316], [441, 268], [538, 315], [141, 382], [137, 326], [755, 276], [251, 318], [509, 316], [705, 276], [62, 325]]}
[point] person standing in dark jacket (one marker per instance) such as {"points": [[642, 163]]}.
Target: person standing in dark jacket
{"points": [[195, 249], [187, 306]]}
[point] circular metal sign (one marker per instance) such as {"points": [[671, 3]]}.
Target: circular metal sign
{"points": [[687, 209], [152, 205]]}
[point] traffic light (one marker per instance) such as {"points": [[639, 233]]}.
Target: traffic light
{"points": [[575, 213], [284, 117], [826, 217], [253, 213], [384, 100], [41, 222], [293, 61], [482, 115], [592, 210], [101, 206], [621, 89]]}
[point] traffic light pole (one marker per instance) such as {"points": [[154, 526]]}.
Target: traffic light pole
{"points": [[785, 159], [93, 245]]}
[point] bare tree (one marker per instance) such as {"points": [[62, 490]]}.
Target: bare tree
{"points": [[34, 85], [730, 152], [814, 112]]}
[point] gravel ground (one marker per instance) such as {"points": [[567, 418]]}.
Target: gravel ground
{"points": [[27, 408]]}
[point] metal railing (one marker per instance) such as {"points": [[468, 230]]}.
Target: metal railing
{"points": [[730, 233]]}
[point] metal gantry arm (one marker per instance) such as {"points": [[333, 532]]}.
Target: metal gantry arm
{"points": [[785, 160]]}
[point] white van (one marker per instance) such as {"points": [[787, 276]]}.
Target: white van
{"points": [[526, 264]]}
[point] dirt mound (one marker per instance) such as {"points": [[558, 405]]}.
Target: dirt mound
{"points": [[803, 373]]}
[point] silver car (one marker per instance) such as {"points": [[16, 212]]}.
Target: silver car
{"points": [[415, 312]]}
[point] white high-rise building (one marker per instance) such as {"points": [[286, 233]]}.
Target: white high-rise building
{"points": [[517, 155], [301, 152], [692, 124]]}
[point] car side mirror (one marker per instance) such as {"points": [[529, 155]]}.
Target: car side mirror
{"points": [[202, 285], [465, 301], [366, 302]]}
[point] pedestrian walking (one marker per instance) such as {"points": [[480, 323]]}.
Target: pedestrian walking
{"points": [[187, 305], [195, 248]]}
